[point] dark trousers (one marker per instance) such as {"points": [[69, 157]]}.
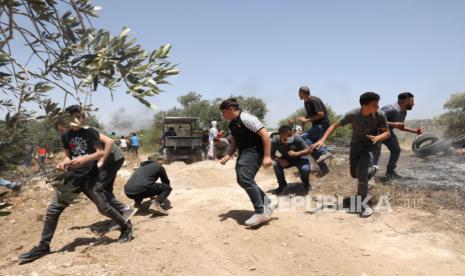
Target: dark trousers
{"points": [[313, 135], [161, 190], [360, 161], [394, 148], [67, 193], [302, 164], [247, 166], [107, 179]]}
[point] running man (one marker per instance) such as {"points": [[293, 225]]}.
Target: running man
{"points": [[395, 114], [369, 127], [317, 114], [251, 138], [83, 150]]}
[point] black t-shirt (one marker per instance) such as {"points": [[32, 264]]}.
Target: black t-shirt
{"points": [[79, 143], [315, 105], [245, 130], [144, 177]]}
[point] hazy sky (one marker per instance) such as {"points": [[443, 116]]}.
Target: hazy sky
{"points": [[270, 48]]}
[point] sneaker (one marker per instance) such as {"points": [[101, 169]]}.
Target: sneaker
{"points": [[308, 187], [17, 189], [129, 212], [158, 209], [324, 157], [127, 234], [278, 190], [393, 175], [372, 172], [257, 219], [35, 253], [270, 208], [323, 171], [137, 204], [366, 212]]}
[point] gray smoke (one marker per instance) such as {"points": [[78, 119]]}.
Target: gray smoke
{"points": [[123, 122]]}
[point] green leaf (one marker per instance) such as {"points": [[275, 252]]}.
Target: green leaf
{"points": [[42, 87], [124, 32]]}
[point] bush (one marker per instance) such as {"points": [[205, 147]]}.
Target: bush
{"points": [[454, 119]]}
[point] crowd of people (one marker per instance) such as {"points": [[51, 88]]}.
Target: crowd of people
{"points": [[292, 147], [93, 159]]}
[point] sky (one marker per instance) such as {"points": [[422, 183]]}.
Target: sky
{"points": [[269, 49]]}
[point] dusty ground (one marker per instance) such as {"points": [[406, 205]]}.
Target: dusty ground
{"points": [[204, 233]]}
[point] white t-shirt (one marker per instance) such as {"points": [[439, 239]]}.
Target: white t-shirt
{"points": [[123, 143]]}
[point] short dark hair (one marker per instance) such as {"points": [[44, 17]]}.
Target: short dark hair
{"points": [[232, 102], [171, 128], [73, 109], [305, 90], [284, 128], [59, 122], [62, 121], [368, 97], [404, 95]]}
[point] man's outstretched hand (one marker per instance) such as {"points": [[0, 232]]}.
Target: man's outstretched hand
{"points": [[317, 145]]}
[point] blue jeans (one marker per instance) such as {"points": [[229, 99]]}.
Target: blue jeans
{"points": [[8, 184], [393, 146], [313, 135], [302, 164], [247, 166]]}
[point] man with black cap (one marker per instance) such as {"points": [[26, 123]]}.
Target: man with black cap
{"points": [[143, 184], [395, 114]]}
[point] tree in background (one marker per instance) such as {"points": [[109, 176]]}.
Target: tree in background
{"points": [[50, 45], [454, 118], [341, 136]]}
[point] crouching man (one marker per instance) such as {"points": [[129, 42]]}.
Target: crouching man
{"points": [[293, 152], [143, 184]]}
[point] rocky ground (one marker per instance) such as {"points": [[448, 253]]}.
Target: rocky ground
{"points": [[204, 233]]}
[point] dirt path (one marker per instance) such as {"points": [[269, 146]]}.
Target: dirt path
{"points": [[204, 235]]}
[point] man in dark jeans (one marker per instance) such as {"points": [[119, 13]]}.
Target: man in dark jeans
{"points": [[289, 150], [83, 150], [317, 114], [395, 114], [369, 127], [143, 184], [108, 165], [251, 138]]}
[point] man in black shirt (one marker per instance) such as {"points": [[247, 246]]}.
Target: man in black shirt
{"points": [[83, 150], [251, 138], [108, 165], [317, 114], [143, 184]]}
